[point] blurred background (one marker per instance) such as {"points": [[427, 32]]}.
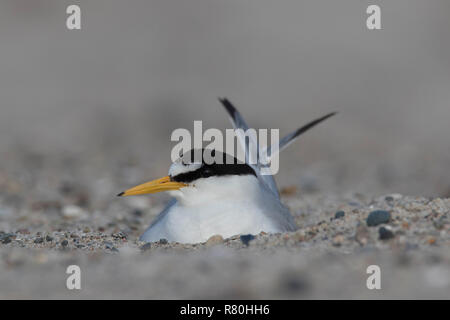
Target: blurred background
{"points": [[94, 108]]}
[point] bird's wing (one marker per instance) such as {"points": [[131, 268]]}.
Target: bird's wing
{"points": [[238, 122], [288, 139], [152, 233]]}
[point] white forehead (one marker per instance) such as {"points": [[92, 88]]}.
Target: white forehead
{"points": [[178, 167]]}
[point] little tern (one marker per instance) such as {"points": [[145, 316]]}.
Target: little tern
{"points": [[224, 199]]}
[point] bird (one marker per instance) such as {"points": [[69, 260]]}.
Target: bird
{"points": [[229, 198]]}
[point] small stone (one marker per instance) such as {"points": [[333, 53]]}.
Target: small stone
{"points": [[74, 212], [138, 212], [48, 238], [431, 240], [338, 240], [378, 217], [119, 235], [339, 214], [108, 244], [385, 233], [146, 246], [288, 191], [163, 241], [299, 236], [65, 243], [440, 224], [39, 240], [5, 238], [392, 197], [247, 238], [214, 240]]}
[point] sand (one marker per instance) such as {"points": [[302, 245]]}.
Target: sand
{"points": [[327, 257]]}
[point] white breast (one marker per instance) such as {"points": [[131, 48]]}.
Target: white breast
{"points": [[226, 206]]}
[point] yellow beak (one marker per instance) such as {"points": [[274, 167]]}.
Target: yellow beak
{"points": [[158, 185]]}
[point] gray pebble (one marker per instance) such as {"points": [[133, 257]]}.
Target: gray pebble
{"points": [[65, 243], [385, 234], [146, 246], [339, 214], [108, 244], [378, 217], [39, 240], [119, 235], [247, 238], [5, 238], [138, 212]]}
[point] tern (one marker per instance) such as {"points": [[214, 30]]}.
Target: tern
{"points": [[224, 199]]}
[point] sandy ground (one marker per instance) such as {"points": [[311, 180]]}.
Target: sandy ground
{"points": [[85, 114], [58, 224]]}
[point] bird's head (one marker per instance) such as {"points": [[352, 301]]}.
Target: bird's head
{"points": [[185, 174]]}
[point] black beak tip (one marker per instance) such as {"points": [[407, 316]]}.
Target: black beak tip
{"points": [[120, 194]]}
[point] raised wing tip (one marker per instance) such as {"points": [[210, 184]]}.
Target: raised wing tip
{"points": [[228, 105], [317, 121]]}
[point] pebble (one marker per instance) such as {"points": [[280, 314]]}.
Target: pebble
{"points": [[163, 241], [5, 238], [138, 212], [247, 238], [109, 245], [120, 235], [65, 243], [214, 240], [385, 233], [39, 240], [74, 212], [146, 246], [431, 240], [288, 191], [338, 240], [48, 238], [378, 217], [339, 214], [440, 224]]}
